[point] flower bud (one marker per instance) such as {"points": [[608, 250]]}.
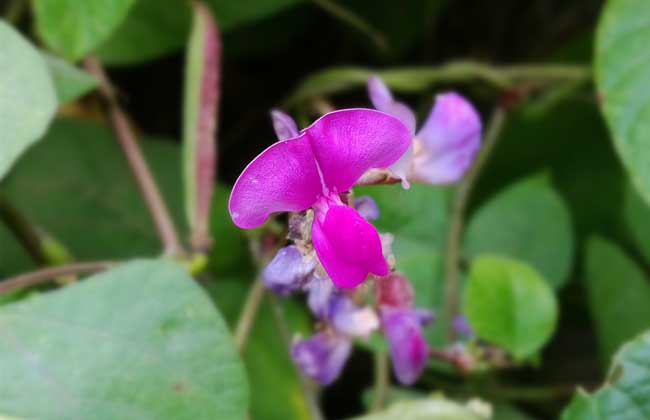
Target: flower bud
{"points": [[461, 325], [408, 348], [287, 271], [322, 356], [350, 319], [394, 290], [367, 207]]}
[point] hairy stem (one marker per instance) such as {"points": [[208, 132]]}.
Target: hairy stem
{"points": [[382, 381], [139, 167], [456, 224], [41, 276]]}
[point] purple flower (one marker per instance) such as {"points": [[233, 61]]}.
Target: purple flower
{"points": [[408, 348], [394, 290], [319, 293], [446, 144], [322, 356], [285, 127], [367, 207], [310, 170], [288, 270], [462, 327], [350, 319]]}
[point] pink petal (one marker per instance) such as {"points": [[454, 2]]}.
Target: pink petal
{"points": [[346, 143], [348, 247], [284, 177], [408, 348], [450, 139], [382, 100]]}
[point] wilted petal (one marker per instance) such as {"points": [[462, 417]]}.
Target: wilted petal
{"points": [[288, 270], [319, 292], [322, 356], [348, 247], [394, 290], [449, 140], [383, 100], [408, 348], [367, 207], [349, 319], [347, 143], [284, 177], [285, 127]]}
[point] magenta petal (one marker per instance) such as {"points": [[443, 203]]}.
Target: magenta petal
{"points": [[408, 348], [382, 99], [450, 138], [284, 177], [285, 127], [348, 247], [347, 143]]}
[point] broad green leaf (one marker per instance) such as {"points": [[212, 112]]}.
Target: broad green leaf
{"points": [[139, 341], [527, 221], [626, 393], [75, 28], [624, 84], [508, 303], [92, 205], [636, 214], [619, 293], [28, 97], [418, 220], [432, 409], [70, 82], [276, 392], [152, 29]]}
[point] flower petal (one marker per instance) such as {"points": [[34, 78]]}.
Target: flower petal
{"points": [[348, 247], [408, 348], [322, 356], [449, 140], [288, 270], [394, 290], [285, 127], [367, 207], [319, 293], [382, 99], [284, 177], [350, 319], [346, 143]]}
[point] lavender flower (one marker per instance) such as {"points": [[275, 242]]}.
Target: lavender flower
{"points": [[367, 207], [446, 144], [322, 356], [408, 348], [288, 270]]}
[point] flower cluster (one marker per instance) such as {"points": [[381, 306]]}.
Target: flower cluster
{"points": [[334, 247]]}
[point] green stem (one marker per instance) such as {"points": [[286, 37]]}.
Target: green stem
{"points": [[41, 276], [456, 224], [248, 314], [382, 381], [355, 21]]}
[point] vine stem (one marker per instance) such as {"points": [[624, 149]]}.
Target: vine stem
{"points": [[41, 276], [27, 234], [139, 167], [456, 224], [382, 381]]}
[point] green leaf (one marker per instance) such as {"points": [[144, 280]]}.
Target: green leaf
{"points": [[618, 296], [624, 84], [432, 409], [276, 390], [152, 29], [527, 221], [70, 82], [139, 341], [75, 28], [92, 205], [626, 393], [636, 215], [508, 303], [28, 97], [418, 220]]}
